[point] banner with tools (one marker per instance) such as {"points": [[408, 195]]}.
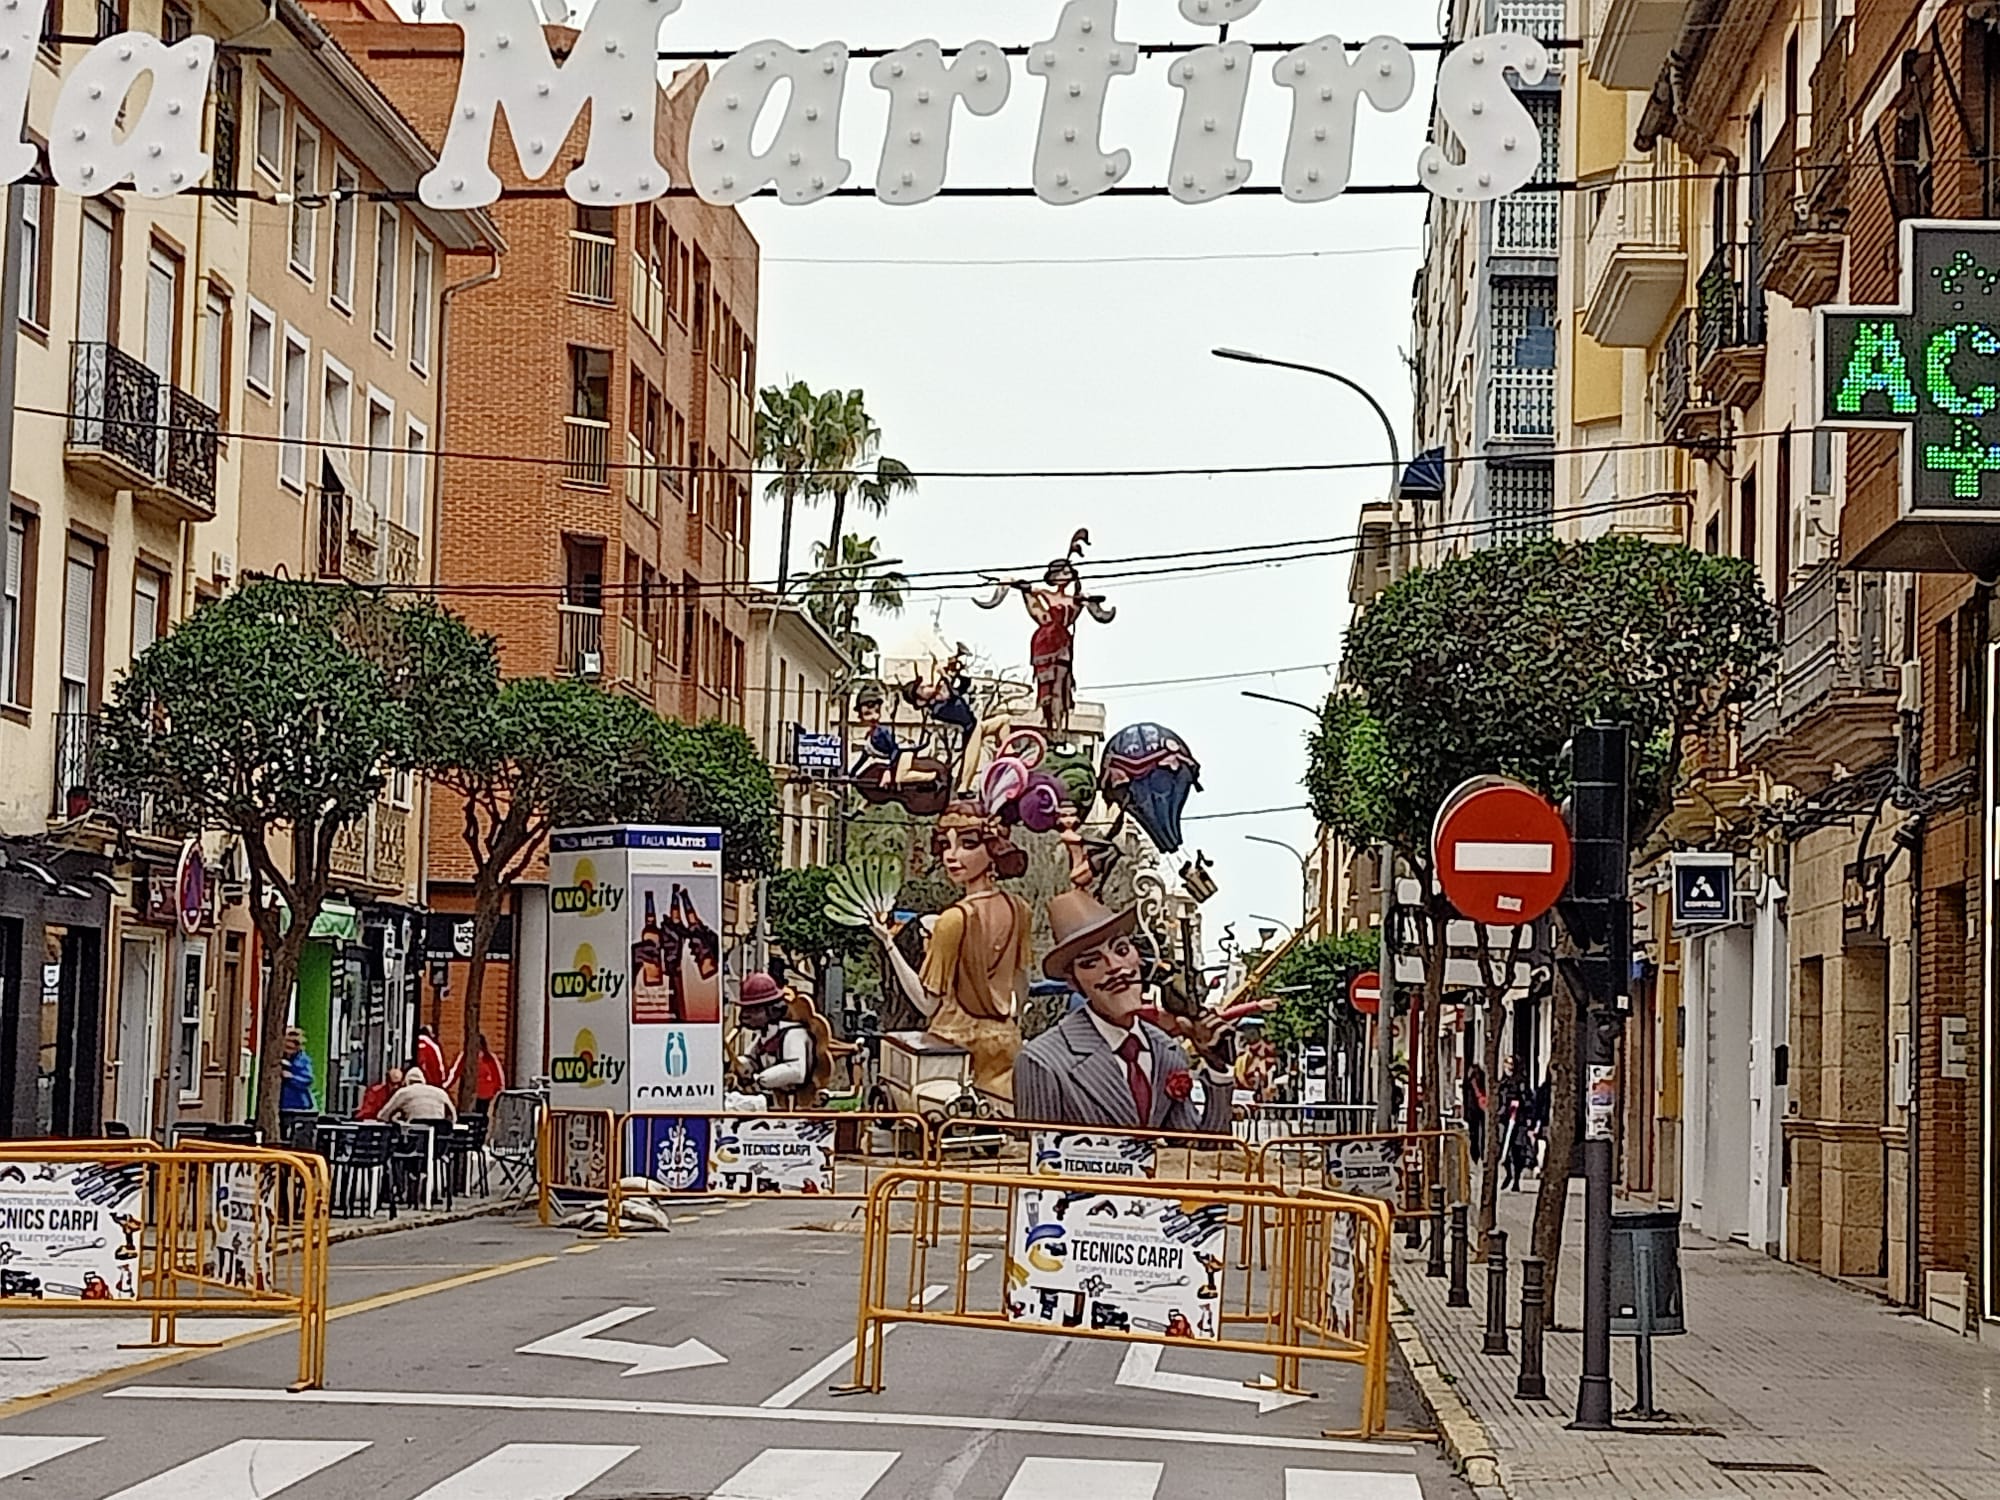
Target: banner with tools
{"points": [[1108, 1261], [70, 1229]]}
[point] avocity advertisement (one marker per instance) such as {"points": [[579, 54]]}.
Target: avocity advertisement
{"points": [[70, 1229], [635, 969], [1106, 1261]]}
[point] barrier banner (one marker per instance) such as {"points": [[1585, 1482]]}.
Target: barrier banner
{"points": [[1100, 1261], [1081, 1153], [241, 1248], [1343, 1257], [1367, 1169], [670, 1151], [70, 1229], [770, 1154], [580, 1151]]}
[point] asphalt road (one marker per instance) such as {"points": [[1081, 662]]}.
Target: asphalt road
{"points": [[494, 1360]]}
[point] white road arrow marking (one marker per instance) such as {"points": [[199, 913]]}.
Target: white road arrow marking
{"points": [[581, 1342], [1141, 1369]]}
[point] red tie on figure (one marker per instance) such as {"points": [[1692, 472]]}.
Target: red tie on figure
{"points": [[1135, 1079]]}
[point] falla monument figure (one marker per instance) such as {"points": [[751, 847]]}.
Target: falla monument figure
{"points": [[614, 67]]}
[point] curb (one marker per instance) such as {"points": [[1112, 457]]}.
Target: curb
{"points": [[1463, 1435], [343, 1233]]}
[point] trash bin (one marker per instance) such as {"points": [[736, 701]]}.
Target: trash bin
{"points": [[1646, 1274]]}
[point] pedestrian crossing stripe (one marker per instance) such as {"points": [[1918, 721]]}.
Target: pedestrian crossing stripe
{"points": [[260, 1468]]}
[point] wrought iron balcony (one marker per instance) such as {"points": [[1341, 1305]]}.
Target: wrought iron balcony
{"points": [[1634, 264], [1526, 223], [1823, 165], [130, 430], [1802, 243], [1729, 328], [79, 785], [579, 640], [1831, 702], [1524, 405], [1688, 418], [1541, 19]]}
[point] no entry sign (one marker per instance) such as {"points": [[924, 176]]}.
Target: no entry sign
{"points": [[1364, 993], [1502, 853]]}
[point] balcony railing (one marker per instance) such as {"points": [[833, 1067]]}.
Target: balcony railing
{"points": [[1526, 223], [1824, 162], [1802, 243], [1541, 19], [79, 787], [591, 258], [1729, 311], [402, 555], [144, 434], [114, 403], [579, 640], [587, 452], [390, 845], [1634, 267], [1524, 404], [1832, 698], [1677, 390], [642, 478], [635, 657]]}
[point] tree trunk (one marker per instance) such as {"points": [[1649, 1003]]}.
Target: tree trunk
{"points": [[488, 897], [1552, 1197], [785, 533], [833, 553], [271, 1023]]}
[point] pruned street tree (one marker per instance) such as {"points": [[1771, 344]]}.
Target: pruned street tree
{"points": [[1310, 981], [1486, 664], [795, 907], [277, 714]]}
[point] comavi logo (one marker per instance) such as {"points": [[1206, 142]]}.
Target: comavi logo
{"points": [[675, 1062], [585, 1068], [585, 979], [586, 896]]}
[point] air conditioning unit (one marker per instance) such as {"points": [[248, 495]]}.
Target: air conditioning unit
{"points": [[1910, 692], [590, 663], [222, 566]]}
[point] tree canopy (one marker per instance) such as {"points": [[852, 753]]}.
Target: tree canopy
{"points": [[710, 775], [1319, 972], [795, 907]]}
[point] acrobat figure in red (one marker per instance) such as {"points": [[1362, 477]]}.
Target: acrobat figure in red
{"points": [[1056, 604]]}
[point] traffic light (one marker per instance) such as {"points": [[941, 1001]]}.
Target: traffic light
{"points": [[1597, 910]]}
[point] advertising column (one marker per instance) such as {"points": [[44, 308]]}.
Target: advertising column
{"points": [[675, 976], [589, 1032]]}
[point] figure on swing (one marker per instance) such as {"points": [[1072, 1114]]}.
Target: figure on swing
{"points": [[887, 770], [946, 698], [1056, 604]]}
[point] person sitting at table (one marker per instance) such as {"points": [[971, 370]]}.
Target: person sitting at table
{"points": [[378, 1094], [417, 1100]]}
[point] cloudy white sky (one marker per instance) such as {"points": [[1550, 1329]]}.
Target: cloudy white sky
{"points": [[1089, 349]]}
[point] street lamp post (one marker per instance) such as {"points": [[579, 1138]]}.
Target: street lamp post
{"points": [[1385, 1043], [1305, 872]]}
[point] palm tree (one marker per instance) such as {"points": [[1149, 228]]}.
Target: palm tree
{"points": [[836, 592], [794, 443], [861, 473]]}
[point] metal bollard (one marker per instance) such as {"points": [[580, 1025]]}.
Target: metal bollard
{"points": [[1496, 1294], [1530, 1384], [1434, 1265], [1460, 1295]]}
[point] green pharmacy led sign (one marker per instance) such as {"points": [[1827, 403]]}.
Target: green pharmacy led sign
{"points": [[1928, 368]]}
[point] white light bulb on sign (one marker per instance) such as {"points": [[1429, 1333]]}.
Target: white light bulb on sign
{"points": [[20, 32], [1214, 82], [1502, 146], [1216, 12], [923, 94], [159, 152], [803, 159], [614, 68], [1327, 89], [1077, 65]]}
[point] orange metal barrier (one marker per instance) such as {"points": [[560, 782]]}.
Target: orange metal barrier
{"points": [[126, 1226], [1324, 1296], [576, 1154]]}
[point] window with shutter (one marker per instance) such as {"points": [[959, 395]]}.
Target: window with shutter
{"points": [[93, 302], [79, 642], [148, 590], [10, 612]]}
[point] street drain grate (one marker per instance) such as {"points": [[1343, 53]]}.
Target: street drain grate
{"points": [[1746, 1466]]}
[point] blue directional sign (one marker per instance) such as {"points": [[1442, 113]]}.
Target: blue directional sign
{"points": [[1927, 368]]}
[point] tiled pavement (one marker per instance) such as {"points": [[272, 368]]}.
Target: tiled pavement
{"points": [[1786, 1384]]}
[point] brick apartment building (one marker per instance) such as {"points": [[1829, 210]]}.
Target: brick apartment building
{"points": [[614, 352]]}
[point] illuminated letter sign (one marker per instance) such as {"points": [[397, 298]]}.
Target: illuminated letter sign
{"points": [[1928, 369]]}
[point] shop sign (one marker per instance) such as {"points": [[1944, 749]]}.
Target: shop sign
{"points": [[733, 152]]}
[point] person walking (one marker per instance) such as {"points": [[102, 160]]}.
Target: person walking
{"points": [[487, 1082], [296, 1093], [1474, 1104], [1514, 1117], [430, 1056]]}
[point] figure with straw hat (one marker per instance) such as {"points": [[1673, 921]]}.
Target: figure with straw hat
{"points": [[1104, 1065]]}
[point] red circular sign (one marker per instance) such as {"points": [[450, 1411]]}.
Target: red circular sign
{"points": [[1364, 992], [1501, 852]]}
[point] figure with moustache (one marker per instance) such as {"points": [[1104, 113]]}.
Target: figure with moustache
{"points": [[1101, 1066]]}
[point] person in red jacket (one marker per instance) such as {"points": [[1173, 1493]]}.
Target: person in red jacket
{"points": [[378, 1094], [487, 1083], [430, 1056]]}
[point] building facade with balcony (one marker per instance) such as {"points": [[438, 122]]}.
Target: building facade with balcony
{"points": [[106, 1011], [1485, 334], [613, 458], [795, 704]]}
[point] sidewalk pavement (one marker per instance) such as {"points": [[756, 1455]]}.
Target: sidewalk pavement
{"points": [[1786, 1384]]}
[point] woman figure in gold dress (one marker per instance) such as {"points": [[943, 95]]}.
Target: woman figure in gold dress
{"points": [[975, 973]]}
